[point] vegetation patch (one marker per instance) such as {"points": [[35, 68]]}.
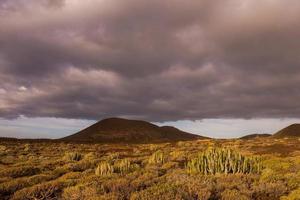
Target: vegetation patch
{"points": [[157, 157], [223, 161], [73, 156], [190, 170]]}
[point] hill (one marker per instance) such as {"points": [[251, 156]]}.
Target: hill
{"points": [[118, 130], [253, 136], [290, 131]]}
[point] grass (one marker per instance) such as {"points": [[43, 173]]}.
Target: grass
{"points": [[203, 169]]}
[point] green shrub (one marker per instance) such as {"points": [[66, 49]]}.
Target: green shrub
{"points": [[157, 157], [104, 169], [220, 160]]}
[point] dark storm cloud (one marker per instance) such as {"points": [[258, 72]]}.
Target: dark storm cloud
{"points": [[154, 60]]}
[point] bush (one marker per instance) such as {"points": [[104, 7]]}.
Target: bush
{"points": [[79, 192], [120, 187], [198, 187], [161, 192], [294, 195], [82, 165], [2, 148], [273, 190], [39, 192], [219, 160], [27, 147], [233, 195], [16, 172], [19, 183]]}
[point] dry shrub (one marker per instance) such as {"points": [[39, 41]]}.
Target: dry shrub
{"points": [[170, 165], [19, 183], [233, 195], [79, 192], [82, 165], [146, 179], [15, 172], [45, 191], [161, 192], [119, 186], [294, 195], [269, 191], [198, 187], [2, 148]]}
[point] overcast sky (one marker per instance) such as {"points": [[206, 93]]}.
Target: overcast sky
{"points": [[194, 64]]}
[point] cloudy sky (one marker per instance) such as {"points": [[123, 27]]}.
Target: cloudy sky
{"points": [[202, 65]]}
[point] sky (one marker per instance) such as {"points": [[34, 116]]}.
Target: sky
{"points": [[218, 68]]}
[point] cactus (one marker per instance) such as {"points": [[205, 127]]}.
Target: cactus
{"points": [[157, 157], [73, 156], [104, 169], [120, 166], [124, 166], [221, 160]]}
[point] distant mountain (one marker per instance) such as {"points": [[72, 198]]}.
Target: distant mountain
{"points": [[290, 131], [116, 130], [252, 136]]}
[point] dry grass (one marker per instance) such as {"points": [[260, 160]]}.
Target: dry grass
{"points": [[45, 170]]}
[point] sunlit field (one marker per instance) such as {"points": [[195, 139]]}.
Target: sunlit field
{"points": [[261, 168]]}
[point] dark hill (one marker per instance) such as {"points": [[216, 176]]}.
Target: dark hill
{"points": [[253, 136], [290, 131], [116, 130]]}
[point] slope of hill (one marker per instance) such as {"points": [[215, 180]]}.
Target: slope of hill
{"points": [[253, 136], [290, 131], [115, 130]]}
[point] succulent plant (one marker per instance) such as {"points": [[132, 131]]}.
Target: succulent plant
{"points": [[157, 157], [104, 169], [223, 160]]}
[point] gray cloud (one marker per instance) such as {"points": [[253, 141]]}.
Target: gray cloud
{"points": [[154, 60]]}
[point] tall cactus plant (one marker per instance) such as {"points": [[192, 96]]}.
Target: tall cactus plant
{"points": [[157, 157], [104, 169], [223, 160]]}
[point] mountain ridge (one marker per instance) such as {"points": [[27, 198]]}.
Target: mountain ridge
{"points": [[119, 130], [255, 135], [292, 130]]}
